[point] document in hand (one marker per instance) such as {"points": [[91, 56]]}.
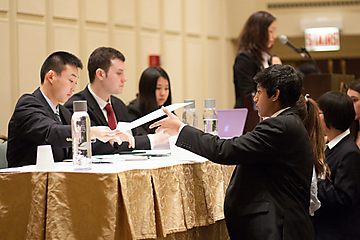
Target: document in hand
{"points": [[126, 126]]}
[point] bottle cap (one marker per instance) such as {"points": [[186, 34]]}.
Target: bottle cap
{"points": [[192, 105], [210, 103], [79, 106]]}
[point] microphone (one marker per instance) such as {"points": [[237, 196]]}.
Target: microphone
{"points": [[284, 40]]}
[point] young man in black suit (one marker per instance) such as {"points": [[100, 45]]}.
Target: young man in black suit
{"points": [[269, 193], [39, 119], [106, 69], [339, 215]]}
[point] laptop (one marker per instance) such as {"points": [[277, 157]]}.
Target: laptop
{"points": [[231, 122]]}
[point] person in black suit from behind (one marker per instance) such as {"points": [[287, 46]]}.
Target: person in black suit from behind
{"points": [[39, 119], [339, 215], [106, 69], [269, 193]]}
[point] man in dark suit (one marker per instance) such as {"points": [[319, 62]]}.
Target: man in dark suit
{"points": [[107, 77], [39, 119], [339, 215], [269, 193]]}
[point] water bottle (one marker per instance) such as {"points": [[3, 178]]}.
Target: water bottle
{"points": [[210, 117], [189, 116], [81, 139]]}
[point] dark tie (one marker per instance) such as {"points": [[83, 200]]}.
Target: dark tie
{"points": [[58, 115], [327, 151], [110, 116]]}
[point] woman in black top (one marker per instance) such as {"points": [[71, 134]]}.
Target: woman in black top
{"points": [[154, 92]]}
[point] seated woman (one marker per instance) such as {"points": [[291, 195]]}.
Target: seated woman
{"points": [[339, 215], [354, 93], [154, 92]]}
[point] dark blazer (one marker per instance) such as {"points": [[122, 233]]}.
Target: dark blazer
{"points": [[269, 193], [98, 119], [244, 69], [34, 123], [339, 214]]}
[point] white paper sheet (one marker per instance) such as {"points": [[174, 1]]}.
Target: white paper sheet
{"points": [[126, 126]]}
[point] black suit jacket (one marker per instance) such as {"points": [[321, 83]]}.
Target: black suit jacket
{"points": [[34, 123], [98, 119], [244, 69], [339, 214], [269, 193]]}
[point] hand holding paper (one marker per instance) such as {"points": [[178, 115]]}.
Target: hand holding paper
{"points": [[105, 134], [126, 126], [169, 125]]}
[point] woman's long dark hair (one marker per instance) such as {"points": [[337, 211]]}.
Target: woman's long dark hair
{"points": [[354, 128], [147, 88], [254, 36], [309, 114]]}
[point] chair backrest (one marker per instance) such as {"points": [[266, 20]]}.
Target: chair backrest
{"points": [[3, 160]]}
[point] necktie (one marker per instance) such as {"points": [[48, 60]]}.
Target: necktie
{"points": [[110, 116], [327, 151], [58, 115]]}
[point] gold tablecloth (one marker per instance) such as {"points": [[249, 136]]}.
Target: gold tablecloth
{"points": [[181, 201]]}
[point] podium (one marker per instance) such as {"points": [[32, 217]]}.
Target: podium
{"points": [[318, 84]]}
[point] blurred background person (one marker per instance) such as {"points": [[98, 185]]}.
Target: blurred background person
{"points": [[154, 92], [254, 43], [339, 215], [354, 93]]}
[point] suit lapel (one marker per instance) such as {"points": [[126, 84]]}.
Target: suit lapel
{"points": [[94, 108], [37, 93]]}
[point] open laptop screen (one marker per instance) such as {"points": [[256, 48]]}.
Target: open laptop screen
{"points": [[231, 122]]}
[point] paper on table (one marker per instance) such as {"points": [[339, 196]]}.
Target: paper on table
{"points": [[126, 126]]}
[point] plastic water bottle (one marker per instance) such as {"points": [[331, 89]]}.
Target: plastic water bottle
{"points": [[210, 117], [81, 139], [189, 115]]}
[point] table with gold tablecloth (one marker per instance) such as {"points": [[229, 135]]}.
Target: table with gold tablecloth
{"points": [[154, 199]]}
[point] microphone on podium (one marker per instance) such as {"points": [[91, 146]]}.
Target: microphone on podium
{"points": [[284, 40]]}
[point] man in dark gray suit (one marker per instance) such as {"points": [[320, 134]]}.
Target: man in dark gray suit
{"points": [[269, 193]]}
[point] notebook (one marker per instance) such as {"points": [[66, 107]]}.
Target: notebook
{"points": [[231, 122]]}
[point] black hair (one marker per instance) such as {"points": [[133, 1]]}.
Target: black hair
{"points": [[57, 61], [147, 88], [283, 78], [101, 58], [338, 110]]}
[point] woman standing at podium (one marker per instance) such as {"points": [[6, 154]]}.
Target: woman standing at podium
{"points": [[354, 93], [255, 41]]}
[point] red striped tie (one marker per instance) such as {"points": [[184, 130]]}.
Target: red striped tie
{"points": [[110, 116]]}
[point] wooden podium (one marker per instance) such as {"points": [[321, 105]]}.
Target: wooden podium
{"points": [[318, 84]]}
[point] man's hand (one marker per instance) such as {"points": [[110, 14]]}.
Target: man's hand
{"points": [[105, 134], [169, 125]]}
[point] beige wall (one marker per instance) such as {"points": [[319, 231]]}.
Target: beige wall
{"points": [[192, 36]]}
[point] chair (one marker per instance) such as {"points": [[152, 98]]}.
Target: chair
{"points": [[3, 148]]}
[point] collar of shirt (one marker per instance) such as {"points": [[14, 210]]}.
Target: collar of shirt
{"points": [[338, 138], [99, 101], [55, 109], [280, 111], [266, 58]]}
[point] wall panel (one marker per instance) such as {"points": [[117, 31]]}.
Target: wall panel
{"points": [[35, 7], [97, 10], [215, 73], [4, 5], [66, 9], [149, 45], [193, 16], [124, 12], [172, 15], [125, 42], [213, 22], [149, 14], [32, 53], [173, 65], [66, 38], [5, 90]]}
